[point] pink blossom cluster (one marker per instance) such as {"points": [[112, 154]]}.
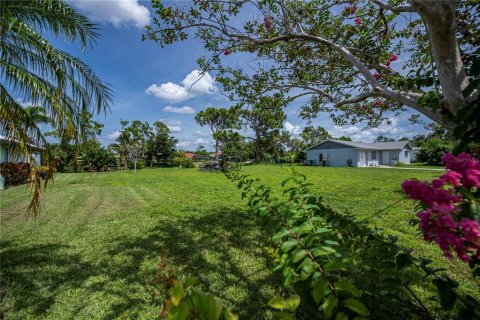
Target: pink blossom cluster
{"points": [[443, 220], [467, 166], [391, 59]]}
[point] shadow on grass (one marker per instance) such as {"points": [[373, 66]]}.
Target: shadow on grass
{"points": [[35, 275], [223, 249]]}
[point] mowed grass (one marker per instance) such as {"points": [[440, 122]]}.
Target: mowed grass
{"points": [[93, 251]]}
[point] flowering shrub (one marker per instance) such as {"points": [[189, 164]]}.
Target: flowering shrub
{"points": [[15, 173], [450, 214]]}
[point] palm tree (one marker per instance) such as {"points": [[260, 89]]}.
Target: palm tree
{"points": [[34, 70]]}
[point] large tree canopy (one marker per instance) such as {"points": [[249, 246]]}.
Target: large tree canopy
{"points": [[34, 70], [344, 54], [218, 120]]}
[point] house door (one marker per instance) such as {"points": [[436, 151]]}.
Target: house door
{"points": [[362, 158], [320, 158], [386, 158]]}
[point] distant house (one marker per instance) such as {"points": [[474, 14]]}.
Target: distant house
{"points": [[190, 155], [7, 154], [338, 153]]}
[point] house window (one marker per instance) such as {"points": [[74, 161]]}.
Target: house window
{"points": [[406, 153], [374, 155]]}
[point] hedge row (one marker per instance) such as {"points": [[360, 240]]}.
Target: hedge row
{"points": [[14, 173]]}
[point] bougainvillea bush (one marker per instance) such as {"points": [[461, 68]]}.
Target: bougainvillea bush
{"points": [[450, 209]]}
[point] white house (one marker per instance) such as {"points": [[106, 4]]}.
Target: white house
{"points": [[7, 154], [336, 153]]}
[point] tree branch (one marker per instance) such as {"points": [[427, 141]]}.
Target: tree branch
{"points": [[391, 8]]}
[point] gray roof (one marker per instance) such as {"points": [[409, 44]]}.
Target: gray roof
{"points": [[370, 146]]}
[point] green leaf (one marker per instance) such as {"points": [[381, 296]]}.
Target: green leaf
{"points": [[307, 270], [347, 287], [190, 282], [279, 235], [319, 290], [356, 306], [176, 294], [329, 305], [284, 182], [404, 260], [289, 245], [290, 303], [207, 306], [299, 255], [446, 293], [335, 266], [229, 315], [341, 316], [331, 242], [179, 312], [303, 228], [322, 252], [322, 230]]}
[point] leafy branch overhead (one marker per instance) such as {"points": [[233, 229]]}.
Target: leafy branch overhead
{"points": [[345, 55], [33, 69]]}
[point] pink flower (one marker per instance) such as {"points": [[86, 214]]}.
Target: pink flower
{"points": [[358, 21], [444, 219], [471, 178], [393, 57], [226, 52], [471, 230], [377, 76], [452, 177]]}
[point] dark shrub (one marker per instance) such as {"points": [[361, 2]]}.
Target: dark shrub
{"points": [[432, 151], [15, 173]]}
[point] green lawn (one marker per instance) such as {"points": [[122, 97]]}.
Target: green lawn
{"points": [[92, 253]]}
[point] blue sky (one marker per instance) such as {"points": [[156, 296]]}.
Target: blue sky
{"points": [[150, 83]]}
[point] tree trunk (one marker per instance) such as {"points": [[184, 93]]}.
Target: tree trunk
{"points": [[439, 16], [151, 161], [257, 149], [135, 166], [125, 163], [216, 149]]}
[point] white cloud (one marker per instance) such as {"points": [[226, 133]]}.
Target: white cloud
{"points": [[173, 122], [202, 141], [389, 128], [184, 143], [292, 129], [174, 128], [194, 84], [181, 110], [202, 134], [116, 12], [114, 135]]}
